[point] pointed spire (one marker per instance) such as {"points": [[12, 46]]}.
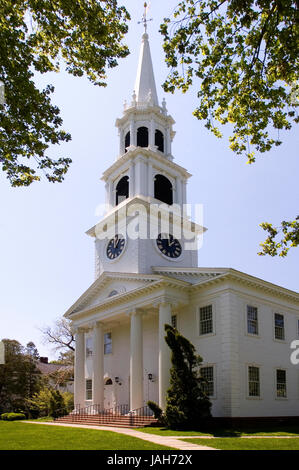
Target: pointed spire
{"points": [[145, 86]]}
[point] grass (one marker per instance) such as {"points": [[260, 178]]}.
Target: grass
{"points": [[23, 436], [235, 443], [278, 430]]}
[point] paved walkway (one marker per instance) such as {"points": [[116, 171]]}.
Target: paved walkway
{"points": [[167, 441]]}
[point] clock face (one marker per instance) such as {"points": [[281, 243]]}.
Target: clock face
{"points": [[115, 246], [169, 246]]}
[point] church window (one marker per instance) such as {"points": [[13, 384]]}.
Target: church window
{"points": [[207, 373], [122, 189], [127, 140], [206, 320], [163, 189], [252, 320], [88, 389], [253, 381], [108, 382], [112, 293], [142, 137], [281, 383], [88, 347], [107, 343], [279, 326], [159, 140]]}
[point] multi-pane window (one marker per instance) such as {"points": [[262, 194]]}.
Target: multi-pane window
{"points": [[107, 343], [88, 347], [174, 321], [279, 326], [252, 320], [206, 320], [207, 373], [88, 389], [281, 383], [253, 381]]}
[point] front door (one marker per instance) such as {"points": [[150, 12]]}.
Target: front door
{"points": [[109, 400]]}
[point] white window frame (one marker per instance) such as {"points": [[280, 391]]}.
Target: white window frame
{"points": [[107, 343], [286, 384], [248, 333], [213, 367], [88, 348], [88, 390], [213, 332], [253, 397], [283, 340], [174, 319]]}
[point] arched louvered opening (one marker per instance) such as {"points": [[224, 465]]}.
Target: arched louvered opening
{"points": [[159, 140], [122, 189], [142, 137], [127, 140], [163, 189]]}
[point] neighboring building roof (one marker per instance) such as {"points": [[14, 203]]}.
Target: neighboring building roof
{"points": [[49, 368]]}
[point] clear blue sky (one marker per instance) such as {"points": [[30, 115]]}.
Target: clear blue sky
{"points": [[47, 260]]}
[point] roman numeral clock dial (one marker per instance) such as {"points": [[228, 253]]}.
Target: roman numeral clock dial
{"points": [[169, 246], [115, 247]]}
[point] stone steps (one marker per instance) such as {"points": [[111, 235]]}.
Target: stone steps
{"points": [[100, 420]]}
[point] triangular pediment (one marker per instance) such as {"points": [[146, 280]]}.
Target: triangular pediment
{"points": [[110, 285]]}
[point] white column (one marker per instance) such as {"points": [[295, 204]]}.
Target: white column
{"points": [[168, 142], [150, 184], [178, 185], [136, 361], [111, 194], [98, 366], [131, 180], [121, 142], [152, 135], [133, 136], [184, 191], [79, 383], [140, 180], [164, 353]]}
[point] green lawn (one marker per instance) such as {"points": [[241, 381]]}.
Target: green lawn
{"points": [[235, 443], [23, 436], [288, 430]]}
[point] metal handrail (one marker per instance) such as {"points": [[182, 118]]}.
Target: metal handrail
{"points": [[137, 415]]}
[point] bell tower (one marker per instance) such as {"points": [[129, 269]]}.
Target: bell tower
{"points": [[143, 173]]}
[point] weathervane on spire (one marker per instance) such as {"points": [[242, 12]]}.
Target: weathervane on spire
{"points": [[144, 18]]}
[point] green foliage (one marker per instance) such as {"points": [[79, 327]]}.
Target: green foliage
{"points": [[243, 56], [187, 405], [290, 238], [158, 412], [19, 377], [56, 406], [48, 402], [12, 416], [39, 36]]}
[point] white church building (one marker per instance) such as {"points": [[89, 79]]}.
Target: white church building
{"points": [[147, 275]]}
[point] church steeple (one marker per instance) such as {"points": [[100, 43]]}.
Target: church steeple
{"points": [[145, 86]]}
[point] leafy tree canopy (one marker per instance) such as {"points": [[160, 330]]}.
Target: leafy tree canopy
{"points": [[245, 54], [243, 57], [39, 36]]}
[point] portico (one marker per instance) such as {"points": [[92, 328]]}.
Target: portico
{"points": [[154, 304]]}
